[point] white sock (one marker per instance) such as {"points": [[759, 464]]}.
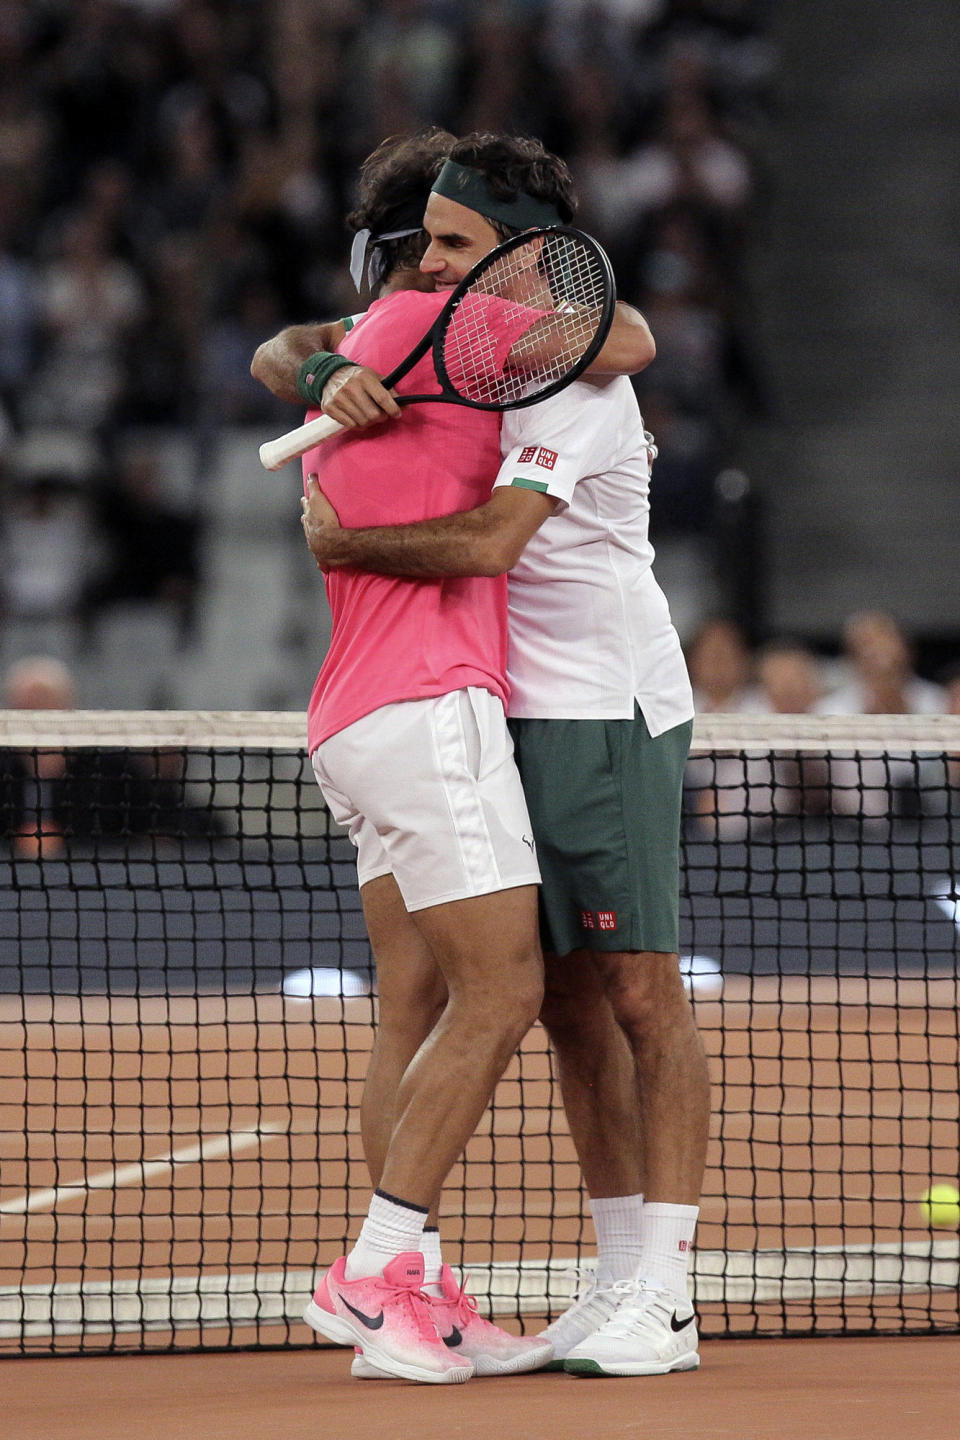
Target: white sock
{"points": [[432, 1261], [391, 1228], [667, 1243], [617, 1221]]}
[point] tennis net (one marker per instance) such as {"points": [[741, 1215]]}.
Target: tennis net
{"points": [[187, 1004]]}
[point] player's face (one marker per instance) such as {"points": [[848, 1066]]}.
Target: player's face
{"points": [[458, 239]]}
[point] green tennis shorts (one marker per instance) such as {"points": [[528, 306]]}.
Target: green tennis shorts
{"points": [[604, 800]]}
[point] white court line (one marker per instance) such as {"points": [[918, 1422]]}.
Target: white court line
{"points": [[141, 1170]]}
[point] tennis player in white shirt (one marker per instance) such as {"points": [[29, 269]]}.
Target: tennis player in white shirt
{"points": [[601, 712]]}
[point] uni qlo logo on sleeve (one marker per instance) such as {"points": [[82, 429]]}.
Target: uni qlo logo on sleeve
{"points": [[606, 919], [546, 458], [527, 454], [587, 921]]}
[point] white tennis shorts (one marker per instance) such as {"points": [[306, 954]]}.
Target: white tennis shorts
{"points": [[429, 791]]}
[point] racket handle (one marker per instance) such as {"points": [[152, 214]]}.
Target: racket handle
{"points": [[275, 453]]}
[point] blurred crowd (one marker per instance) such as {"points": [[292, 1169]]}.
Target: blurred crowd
{"points": [[173, 180], [50, 796], [46, 795], [734, 796]]}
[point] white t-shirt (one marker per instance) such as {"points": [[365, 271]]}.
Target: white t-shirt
{"points": [[590, 628]]}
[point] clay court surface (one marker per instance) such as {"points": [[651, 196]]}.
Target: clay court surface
{"points": [[832, 1101], [822, 1089], [876, 1389]]}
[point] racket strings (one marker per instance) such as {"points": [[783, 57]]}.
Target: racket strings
{"points": [[526, 321]]}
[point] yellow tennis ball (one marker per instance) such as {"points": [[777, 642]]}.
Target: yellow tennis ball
{"points": [[941, 1207]]}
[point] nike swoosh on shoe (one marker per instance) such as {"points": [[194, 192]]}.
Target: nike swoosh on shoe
{"points": [[372, 1322]]}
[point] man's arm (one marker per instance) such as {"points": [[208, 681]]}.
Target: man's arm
{"points": [[486, 541], [628, 348], [353, 395], [276, 363]]}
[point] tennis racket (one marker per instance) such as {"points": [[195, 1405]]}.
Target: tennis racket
{"points": [[525, 322]]}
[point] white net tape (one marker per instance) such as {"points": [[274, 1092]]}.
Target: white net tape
{"points": [[286, 730]]}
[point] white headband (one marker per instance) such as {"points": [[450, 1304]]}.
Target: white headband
{"points": [[358, 253]]}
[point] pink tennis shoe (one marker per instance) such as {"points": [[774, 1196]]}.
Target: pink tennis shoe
{"points": [[469, 1337], [390, 1318]]}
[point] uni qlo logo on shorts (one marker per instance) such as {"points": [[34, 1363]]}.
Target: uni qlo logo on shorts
{"points": [[598, 919], [527, 454]]}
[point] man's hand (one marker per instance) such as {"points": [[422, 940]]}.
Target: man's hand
{"points": [[355, 397], [319, 520]]}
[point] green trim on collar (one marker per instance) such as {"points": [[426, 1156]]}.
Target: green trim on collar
{"points": [[469, 187]]}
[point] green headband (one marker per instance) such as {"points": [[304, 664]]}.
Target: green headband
{"points": [[469, 187]]}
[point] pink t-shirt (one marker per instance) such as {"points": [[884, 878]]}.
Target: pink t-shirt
{"points": [[395, 638]]}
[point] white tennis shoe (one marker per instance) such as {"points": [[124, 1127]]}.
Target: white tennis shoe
{"points": [[594, 1308], [651, 1333]]}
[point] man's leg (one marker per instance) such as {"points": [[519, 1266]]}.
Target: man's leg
{"points": [[654, 1330], [650, 1003], [488, 951], [411, 996], [632, 1071], [608, 835], [598, 1082], [445, 805], [597, 1077]]}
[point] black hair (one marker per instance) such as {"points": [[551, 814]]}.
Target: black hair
{"points": [[514, 163], [398, 174]]}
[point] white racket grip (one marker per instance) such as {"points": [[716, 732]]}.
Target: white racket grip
{"points": [[275, 453]]}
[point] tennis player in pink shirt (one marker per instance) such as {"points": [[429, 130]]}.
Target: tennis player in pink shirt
{"points": [[409, 743], [398, 640]]}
